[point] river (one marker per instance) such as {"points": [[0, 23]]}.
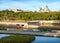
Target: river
{"points": [[39, 39], [3, 35]]}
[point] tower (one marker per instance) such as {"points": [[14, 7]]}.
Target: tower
{"points": [[41, 10], [47, 9]]}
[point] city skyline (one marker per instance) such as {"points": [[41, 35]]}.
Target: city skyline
{"points": [[29, 4]]}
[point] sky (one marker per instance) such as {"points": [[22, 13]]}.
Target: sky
{"points": [[33, 5]]}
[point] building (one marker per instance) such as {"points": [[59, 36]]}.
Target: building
{"points": [[18, 10], [58, 11], [15, 10], [46, 9]]}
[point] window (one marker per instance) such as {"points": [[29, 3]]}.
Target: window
{"points": [[33, 23]]}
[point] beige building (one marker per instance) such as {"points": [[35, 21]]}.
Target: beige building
{"points": [[15, 10], [58, 11], [18, 10], [46, 9]]}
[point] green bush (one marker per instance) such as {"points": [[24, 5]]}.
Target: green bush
{"points": [[29, 15], [45, 29], [17, 39], [3, 28]]}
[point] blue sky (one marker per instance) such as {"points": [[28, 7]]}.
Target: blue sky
{"points": [[30, 4]]}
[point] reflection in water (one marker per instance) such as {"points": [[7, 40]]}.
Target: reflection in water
{"points": [[3, 35], [39, 39]]}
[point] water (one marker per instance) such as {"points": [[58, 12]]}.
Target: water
{"points": [[3, 35], [39, 39]]}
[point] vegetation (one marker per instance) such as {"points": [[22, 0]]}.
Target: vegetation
{"points": [[45, 29], [17, 39], [3, 28], [5, 14], [56, 24]]}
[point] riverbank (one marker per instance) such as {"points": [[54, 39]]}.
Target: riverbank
{"points": [[17, 39]]}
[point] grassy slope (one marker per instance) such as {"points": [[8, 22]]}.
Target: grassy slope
{"points": [[17, 39]]}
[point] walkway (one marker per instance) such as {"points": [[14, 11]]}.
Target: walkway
{"points": [[47, 34], [26, 25]]}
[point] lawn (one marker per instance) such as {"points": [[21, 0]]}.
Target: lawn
{"points": [[17, 39]]}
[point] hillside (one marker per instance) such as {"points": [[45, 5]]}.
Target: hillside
{"points": [[10, 15]]}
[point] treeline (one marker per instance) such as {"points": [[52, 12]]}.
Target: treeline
{"points": [[29, 15]]}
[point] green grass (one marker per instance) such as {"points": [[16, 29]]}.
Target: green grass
{"points": [[17, 39], [2, 28], [45, 29]]}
